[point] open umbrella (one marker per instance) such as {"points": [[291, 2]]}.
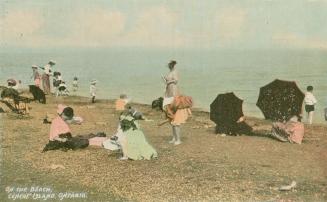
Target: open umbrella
{"points": [[279, 100], [226, 108]]}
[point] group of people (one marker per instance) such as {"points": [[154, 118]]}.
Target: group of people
{"points": [[129, 138], [290, 130], [43, 80]]}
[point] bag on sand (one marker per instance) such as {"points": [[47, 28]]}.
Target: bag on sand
{"points": [[325, 114]]}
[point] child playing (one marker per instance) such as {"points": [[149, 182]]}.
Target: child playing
{"points": [[75, 84], [93, 90], [62, 89], [309, 101]]}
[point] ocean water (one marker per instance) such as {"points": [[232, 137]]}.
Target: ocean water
{"points": [[203, 74]]}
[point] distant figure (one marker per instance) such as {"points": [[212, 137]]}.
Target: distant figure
{"points": [[75, 84], [62, 89], [121, 102], [240, 127], [93, 90], [309, 101], [46, 77], [171, 80], [57, 79], [291, 131], [36, 76]]}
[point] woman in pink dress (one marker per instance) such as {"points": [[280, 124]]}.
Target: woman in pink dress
{"points": [[36, 76], [291, 131], [59, 129]]}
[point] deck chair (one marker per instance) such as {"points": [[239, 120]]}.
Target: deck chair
{"points": [[14, 101]]}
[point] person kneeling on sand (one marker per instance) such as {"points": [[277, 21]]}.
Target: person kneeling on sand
{"points": [[130, 140], [291, 131]]}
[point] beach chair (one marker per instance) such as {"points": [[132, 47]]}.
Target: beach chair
{"points": [[16, 103]]}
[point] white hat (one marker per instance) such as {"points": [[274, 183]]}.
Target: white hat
{"points": [[35, 66], [94, 81]]}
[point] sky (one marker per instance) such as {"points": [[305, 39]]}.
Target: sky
{"points": [[165, 24]]}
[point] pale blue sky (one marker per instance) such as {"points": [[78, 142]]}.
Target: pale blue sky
{"points": [[210, 24]]}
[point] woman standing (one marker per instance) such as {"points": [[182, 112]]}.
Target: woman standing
{"points": [[175, 114], [46, 77], [36, 76], [171, 80]]}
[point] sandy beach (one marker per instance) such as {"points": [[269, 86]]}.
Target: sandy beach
{"points": [[206, 167]]}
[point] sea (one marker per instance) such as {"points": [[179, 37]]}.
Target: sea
{"points": [[203, 74]]}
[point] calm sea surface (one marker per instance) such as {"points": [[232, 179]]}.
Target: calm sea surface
{"points": [[203, 74]]}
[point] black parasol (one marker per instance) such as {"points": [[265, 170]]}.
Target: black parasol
{"points": [[226, 108], [280, 100]]}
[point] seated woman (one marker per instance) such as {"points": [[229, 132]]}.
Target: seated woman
{"points": [[60, 136], [239, 127], [291, 131], [131, 140]]}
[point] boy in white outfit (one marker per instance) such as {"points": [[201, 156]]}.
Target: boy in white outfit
{"points": [[93, 90], [309, 101]]}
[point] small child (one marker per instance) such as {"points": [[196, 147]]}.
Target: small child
{"points": [[121, 102], [75, 84], [93, 90], [309, 101], [62, 89]]}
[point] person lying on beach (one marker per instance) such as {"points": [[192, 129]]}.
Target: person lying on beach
{"points": [[240, 127], [291, 131], [130, 139]]}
